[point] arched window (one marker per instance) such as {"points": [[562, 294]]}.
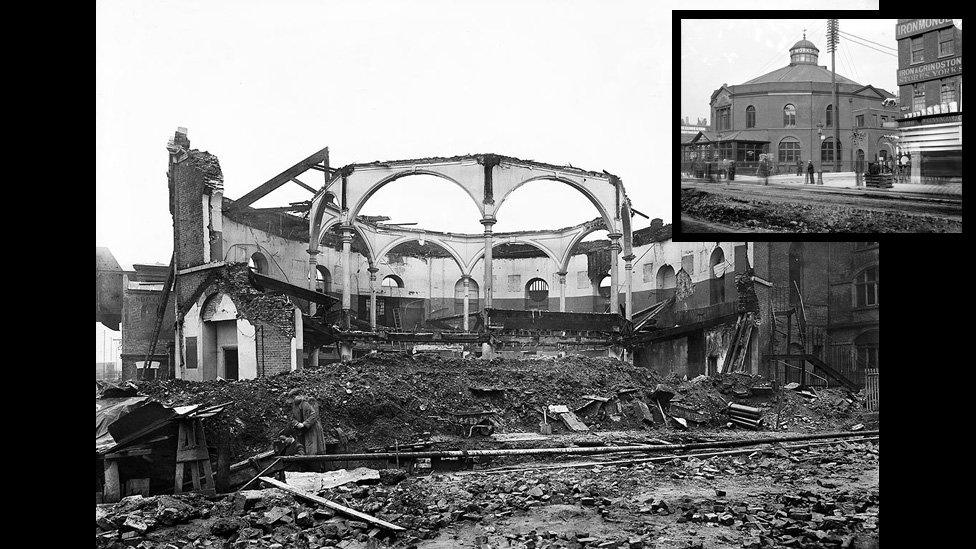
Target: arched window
{"points": [[716, 274], [258, 262], [796, 272], [323, 280], [750, 116], [827, 150], [866, 349], [537, 294], [665, 278], [866, 285], [789, 116], [392, 281], [605, 286], [830, 115], [789, 150], [459, 296]]}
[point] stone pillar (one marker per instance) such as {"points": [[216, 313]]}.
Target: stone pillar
{"points": [[372, 296], [562, 291], [614, 272], [489, 289], [313, 272], [628, 282], [346, 275], [467, 287]]}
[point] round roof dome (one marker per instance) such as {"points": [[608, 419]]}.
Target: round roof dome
{"points": [[804, 44]]}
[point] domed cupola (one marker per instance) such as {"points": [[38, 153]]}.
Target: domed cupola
{"points": [[804, 52]]}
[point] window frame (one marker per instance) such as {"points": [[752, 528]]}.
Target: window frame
{"points": [[789, 120], [875, 284], [950, 41], [913, 50], [829, 116], [750, 116], [797, 150], [918, 92]]}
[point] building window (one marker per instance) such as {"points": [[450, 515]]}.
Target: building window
{"points": [[750, 116], [724, 118], [789, 150], [648, 272], [725, 150], [789, 116], [859, 119], [258, 262], [948, 92], [514, 283], [582, 280], [537, 294], [827, 150], [665, 278], [918, 50], [866, 346], [459, 296], [866, 287], [830, 115], [323, 280], [918, 98], [945, 42], [392, 281], [191, 353]]}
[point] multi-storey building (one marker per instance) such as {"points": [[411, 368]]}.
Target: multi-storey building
{"points": [[930, 87], [789, 112]]}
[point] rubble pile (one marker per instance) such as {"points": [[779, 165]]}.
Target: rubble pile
{"points": [[822, 496], [378, 399]]}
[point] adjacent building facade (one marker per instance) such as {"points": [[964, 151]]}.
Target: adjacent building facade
{"points": [[789, 112], [930, 88]]}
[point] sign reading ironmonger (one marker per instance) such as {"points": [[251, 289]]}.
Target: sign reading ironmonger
{"points": [[918, 26], [928, 71]]}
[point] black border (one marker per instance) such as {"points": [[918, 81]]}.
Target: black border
{"points": [[678, 235]]}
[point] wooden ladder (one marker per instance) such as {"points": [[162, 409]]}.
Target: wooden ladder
{"points": [[191, 451], [396, 319]]}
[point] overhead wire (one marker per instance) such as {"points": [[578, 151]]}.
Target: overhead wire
{"points": [[866, 40]]}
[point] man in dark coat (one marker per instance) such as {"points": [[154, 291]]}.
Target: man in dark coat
{"points": [[304, 420], [809, 171]]}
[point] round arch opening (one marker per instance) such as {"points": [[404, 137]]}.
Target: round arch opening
{"points": [[534, 201], [425, 201]]}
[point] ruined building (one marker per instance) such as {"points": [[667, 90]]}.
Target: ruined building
{"points": [[246, 303]]}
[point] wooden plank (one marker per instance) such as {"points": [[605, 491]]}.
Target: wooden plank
{"points": [[113, 489], [332, 505], [573, 422], [282, 178]]}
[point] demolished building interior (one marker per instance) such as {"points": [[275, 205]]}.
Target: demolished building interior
{"points": [[365, 314]]}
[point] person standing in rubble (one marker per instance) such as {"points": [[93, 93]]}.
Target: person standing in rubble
{"points": [[304, 420]]}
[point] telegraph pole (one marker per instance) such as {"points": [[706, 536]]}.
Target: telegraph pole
{"points": [[832, 38]]}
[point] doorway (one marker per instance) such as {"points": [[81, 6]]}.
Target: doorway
{"points": [[230, 363]]}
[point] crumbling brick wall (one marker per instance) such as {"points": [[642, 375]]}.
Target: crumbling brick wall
{"points": [[272, 349], [139, 308], [196, 173]]}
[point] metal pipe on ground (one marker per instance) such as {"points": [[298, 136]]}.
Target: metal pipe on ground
{"points": [[749, 410], [745, 418], [571, 450], [657, 458]]}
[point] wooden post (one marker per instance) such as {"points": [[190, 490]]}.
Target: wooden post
{"points": [[113, 488]]}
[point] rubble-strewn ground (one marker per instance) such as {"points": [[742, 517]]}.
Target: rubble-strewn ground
{"points": [[784, 215], [825, 495]]}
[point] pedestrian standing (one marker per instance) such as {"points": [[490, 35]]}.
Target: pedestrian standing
{"points": [[809, 172], [799, 167], [731, 170]]}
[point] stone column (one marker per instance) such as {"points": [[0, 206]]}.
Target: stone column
{"points": [[489, 289], [313, 272], [614, 272], [467, 287], [562, 291], [346, 275], [372, 296], [628, 282]]}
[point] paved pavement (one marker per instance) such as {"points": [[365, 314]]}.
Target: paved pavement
{"points": [[847, 180], [943, 206]]}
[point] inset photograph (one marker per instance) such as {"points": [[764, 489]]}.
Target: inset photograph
{"points": [[820, 126]]}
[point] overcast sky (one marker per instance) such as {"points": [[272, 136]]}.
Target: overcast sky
{"points": [[717, 51], [264, 84]]}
